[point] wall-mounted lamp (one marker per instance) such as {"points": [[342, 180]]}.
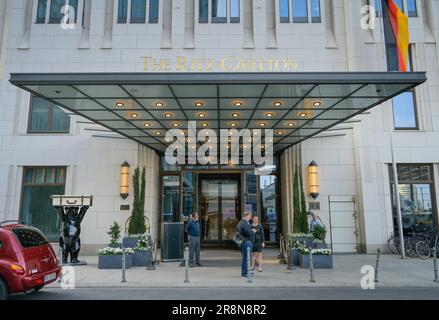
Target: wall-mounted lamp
{"points": [[125, 180], [313, 175]]}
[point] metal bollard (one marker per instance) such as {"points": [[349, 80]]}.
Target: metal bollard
{"points": [[436, 276], [249, 276], [311, 266], [186, 263], [124, 270], [377, 264]]}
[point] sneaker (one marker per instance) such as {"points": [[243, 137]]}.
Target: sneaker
{"points": [[199, 264]]}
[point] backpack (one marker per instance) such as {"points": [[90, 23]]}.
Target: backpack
{"points": [[237, 238]]}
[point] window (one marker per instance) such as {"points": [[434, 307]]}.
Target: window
{"points": [[270, 215], [138, 11], [189, 197], [41, 11], [404, 105], [234, 11], [416, 190], [412, 9], [39, 184], [57, 12], [300, 11], [400, 4], [284, 10], [45, 117], [122, 11], [170, 198], [30, 237], [153, 11], [203, 11], [316, 16], [219, 11]]}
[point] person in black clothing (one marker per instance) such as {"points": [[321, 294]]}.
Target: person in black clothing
{"points": [[258, 243], [193, 230], [245, 231]]}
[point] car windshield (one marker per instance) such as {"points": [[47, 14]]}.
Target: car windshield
{"points": [[30, 237]]}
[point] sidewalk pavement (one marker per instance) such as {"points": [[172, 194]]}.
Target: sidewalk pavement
{"points": [[221, 269]]}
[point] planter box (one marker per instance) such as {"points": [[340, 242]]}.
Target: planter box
{"points": [[319, 245], [118, 245], [142, 258], [130, 242], [114, 262], [319, 261], [295, 257], [307, 240]]}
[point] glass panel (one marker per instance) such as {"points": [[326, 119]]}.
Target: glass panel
{"points": [[269, 218], [412, 10], [404, 112], [28, 175], [60, 120], [300, 11], [30, 237], [39, 115], [170, 198], [415, 173], [55, 11], [37, 211], [403, 173], [41, 11], [400, 4], [219, 11], [315, 11], [425, 173], [122, 12], [50, 175], [210, 209], [60, 175], [74, 4], [203, 11], [234, 11], [138, 11], [229, 208], [378, 8], [153, 11], [284, 10], [251, 189], [188, 194]]}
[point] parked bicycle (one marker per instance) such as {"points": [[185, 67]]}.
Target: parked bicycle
{"points": [[418, 242]]}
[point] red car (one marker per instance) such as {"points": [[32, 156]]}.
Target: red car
{"points": [[27, 260]]}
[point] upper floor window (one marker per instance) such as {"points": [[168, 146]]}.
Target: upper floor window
{"points": [[404, 106], [138, 11], [57, 10], [412, 9], [221, 10], [301, 11], [45, 117]]}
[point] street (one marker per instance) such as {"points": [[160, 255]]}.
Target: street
{"points": [[320, 293]]}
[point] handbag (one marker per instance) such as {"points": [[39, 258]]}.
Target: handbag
{"points": [[237, 239]]}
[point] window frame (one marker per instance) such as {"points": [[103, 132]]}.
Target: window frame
{"points": [[316, 19], [412, 14], [38, 19], [153, 19], [238, 18], [219, 19], [49, 119], [142, 20], [57, 20], [203, 19], [300, 19], [284, 19], [124, 18]]}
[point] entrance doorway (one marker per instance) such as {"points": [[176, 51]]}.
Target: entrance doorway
{"points": [[220, 207]]}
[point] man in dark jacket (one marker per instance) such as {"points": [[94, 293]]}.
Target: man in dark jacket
{"points": [[246, 232], [193, 230]]}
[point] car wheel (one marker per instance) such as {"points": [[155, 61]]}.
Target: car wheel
{"points": [[3, 290], [36, 289]]}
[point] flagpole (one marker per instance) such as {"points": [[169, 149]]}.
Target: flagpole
{"points": [[392, 151]]}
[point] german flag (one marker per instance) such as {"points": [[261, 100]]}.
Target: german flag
{"points": [[396, 31]]}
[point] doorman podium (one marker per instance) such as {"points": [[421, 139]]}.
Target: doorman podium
{"points": [[172, 241]]}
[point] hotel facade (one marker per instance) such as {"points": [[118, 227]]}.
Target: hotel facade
{"points": [[85, 90]]}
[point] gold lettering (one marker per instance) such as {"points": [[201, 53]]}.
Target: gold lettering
{"points": [[165, 65], [223, 65], [210, 65], [197, 65], [291, 65], [181, 64], [146, 61]]}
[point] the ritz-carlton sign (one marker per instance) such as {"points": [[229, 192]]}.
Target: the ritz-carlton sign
{"points": [[223, 64]]}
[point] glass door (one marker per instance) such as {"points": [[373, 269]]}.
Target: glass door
{"points": [[219, 208]]}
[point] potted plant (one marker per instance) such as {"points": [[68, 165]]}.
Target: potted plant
{"points": [[111, 258], [319, 233], [136, 222], [322, 258], [142, 256], [114, 234], [319, 244], [294, 251]]}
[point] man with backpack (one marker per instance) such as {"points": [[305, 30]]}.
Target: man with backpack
{"points": [[245, 232]]}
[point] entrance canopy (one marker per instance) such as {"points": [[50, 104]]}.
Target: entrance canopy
{"points": [[143, 106]]}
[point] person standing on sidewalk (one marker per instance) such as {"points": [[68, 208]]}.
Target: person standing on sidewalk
{"points": [[193, 230], [258, 244], [245, 231]]}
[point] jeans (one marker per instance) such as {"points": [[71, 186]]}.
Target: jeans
{"points": [[194, 249], [245, 260]]}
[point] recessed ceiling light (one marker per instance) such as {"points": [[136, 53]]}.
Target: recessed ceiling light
{"points": [[317, 103], [269, 114], [120, 104], [159, 104], [277, 104], [302, 114], [245, 147], [237, 103], [146, 125], [134, 115], [204, 124], [199, 104], [280, 133], [235, 115], [202, 115], [291, 124], [157, 133], [175, 125], [262, 124], [188, 140], [168, 115], [233, 124]]}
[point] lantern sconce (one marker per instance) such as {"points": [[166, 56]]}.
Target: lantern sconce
{"points": [[313, 175], [124, 180]]}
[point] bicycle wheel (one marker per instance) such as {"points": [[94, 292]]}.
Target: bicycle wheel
{"points": [[410, 247], [423, 250], [392, 245]]}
